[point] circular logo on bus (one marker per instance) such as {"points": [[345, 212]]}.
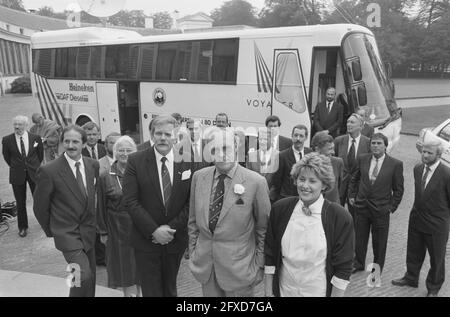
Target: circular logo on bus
{"points": [[159, 97]]}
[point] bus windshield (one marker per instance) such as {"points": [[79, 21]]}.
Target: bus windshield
{"points": [[369, 85]]}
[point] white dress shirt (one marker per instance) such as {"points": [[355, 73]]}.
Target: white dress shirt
{"points": [[430, 174], [74, 168], [373, 162], [169, 165], [357, 139], [26, 142], [89, 148], [331, 105], [297, 153]]}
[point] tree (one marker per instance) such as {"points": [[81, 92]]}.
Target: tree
{"points": [[49, 12], [162, 20], [133, 18], [234, 12], [13, 4], [291, 12]]}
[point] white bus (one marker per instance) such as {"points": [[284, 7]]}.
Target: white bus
{"points": [[120, 79]]}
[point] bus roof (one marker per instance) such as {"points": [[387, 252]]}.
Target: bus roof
{"points": [[332, 34]]}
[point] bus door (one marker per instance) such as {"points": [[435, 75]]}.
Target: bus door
{"points": [[289, 93], [108, 113]]}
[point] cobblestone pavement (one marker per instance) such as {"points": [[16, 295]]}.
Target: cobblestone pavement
{"points": [[36, 253]]}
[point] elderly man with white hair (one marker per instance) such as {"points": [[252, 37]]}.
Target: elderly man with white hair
{"points": [[349, 147], [23, 152], [429, 221], [228, 228]]}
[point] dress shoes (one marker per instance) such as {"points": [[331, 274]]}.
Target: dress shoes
{"points": [[22, 233], [404, 282], [357, 268], [432, 294]]}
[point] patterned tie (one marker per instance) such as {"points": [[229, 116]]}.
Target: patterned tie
{"points": [[424, 178], [373, 178], [329, 106], [351, 155], [80, 180], [167, 185], [306, 210], [22, 148], [93, 152], [216, 205]]}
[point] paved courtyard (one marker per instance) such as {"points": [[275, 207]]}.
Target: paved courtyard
{"points": [[36, 253]]}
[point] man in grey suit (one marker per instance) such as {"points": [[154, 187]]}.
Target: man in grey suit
{"points": [[349, 147], [64, 205], [227, 229]]}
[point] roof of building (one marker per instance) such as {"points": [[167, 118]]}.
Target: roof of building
{"points": [[42, 23], [199, 16]]}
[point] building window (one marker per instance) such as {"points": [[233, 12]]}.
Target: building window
{"points": [[21, 31], [7, 27]]}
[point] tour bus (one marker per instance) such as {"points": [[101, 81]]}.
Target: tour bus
{"points": [[121, 80]]}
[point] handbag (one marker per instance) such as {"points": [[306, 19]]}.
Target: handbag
{"points": [[9, 208]]}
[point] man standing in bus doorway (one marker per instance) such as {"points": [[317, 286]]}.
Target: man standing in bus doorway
{"points": [[329, 114], [222, 120], [279, 142], [156, 191], [228, 228], [64, 205], [348, 147], [95, 150], [23, 152]]}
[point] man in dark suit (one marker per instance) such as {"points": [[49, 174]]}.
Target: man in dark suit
{"points": [[348, 147], [367, 130], [147, 144], [279, 142], [96, 150], [283, 185], [156, 193], [64, 205], [196, 145], [23, 152], [429, 221], [376, 190], [93, 148], [329, 114]]}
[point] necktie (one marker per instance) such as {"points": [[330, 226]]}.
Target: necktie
{"points": [[329, 106], [167, 185], [93, 152], [306, 210], [351, 155], [22, 148], [374, 172], [80, 180], [424, 178], [197, 157], [216, 205]]}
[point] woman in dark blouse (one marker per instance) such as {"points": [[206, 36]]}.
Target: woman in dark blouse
{"points": [[310, 240], [114, 223]]}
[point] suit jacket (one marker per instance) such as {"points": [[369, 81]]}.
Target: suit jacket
{"points": [[338, 226], [185, 153], [236, 249], [283, 185], [284, 143], [100, 149], [338, 170], [385, 194], [105, 166], [60, 207], [143, 198], [341, 150], [431, 209], [144, 146], [18, 167], [329, 121], [254, 164], [367, 130]]}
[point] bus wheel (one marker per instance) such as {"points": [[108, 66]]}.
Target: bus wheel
{"points": [[82, 120]]}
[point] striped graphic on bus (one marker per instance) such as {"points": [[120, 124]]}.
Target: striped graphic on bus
{"points": [[264, 76], [50, 108]]}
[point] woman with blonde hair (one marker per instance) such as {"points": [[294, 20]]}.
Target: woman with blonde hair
{"points": [[114, 222], [310, 240]]}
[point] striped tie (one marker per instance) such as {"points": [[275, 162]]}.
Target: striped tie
{"points": [[167, 185], [216, 205]]}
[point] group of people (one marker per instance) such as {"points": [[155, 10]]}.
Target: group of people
{"points": [[297, 218]]}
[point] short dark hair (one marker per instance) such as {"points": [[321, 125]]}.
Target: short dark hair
{"points": [[222, 114], [273, 119], [379, 136], [320, 139], [76, 128], [177, 116], [300, 127], [90, 126]]}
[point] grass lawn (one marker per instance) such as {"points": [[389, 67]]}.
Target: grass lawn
{"points": [[415, 119]]}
